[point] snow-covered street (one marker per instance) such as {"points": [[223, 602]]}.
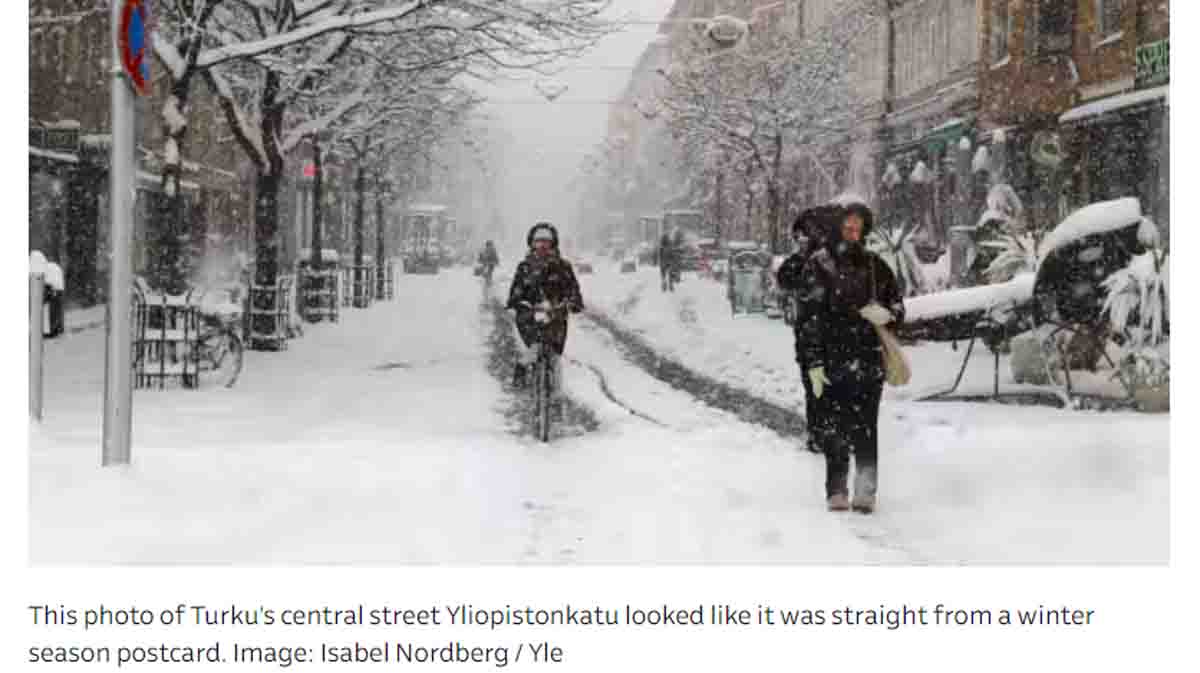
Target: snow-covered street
{"points": [[391, 437]]}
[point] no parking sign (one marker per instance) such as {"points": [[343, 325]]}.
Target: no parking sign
{"points": [[133, 42]]}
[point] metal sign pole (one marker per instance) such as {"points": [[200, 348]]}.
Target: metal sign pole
{"points": [[37, 286], [118, 389]]}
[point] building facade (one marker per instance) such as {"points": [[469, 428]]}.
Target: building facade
{"points": [[69, 140], [1092, 77]]}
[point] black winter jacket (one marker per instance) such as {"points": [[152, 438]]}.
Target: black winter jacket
{"points": [[835, 284], [550, 278]]}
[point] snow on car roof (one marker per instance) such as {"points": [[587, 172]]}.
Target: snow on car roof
{"points": [[1097, 218]]}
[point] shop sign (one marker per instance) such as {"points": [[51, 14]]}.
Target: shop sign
{"points": [[1153, 64]]}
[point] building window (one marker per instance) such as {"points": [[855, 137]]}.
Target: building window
{"points": [[1108, 17], [1001, 30], [1048, 25]]}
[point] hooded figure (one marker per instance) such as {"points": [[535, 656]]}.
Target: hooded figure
{"points": [[542, 276], [488, 256], [845, 291], [813, 226]]}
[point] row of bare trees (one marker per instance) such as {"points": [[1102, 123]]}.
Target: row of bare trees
{"points": [[377, 81]]}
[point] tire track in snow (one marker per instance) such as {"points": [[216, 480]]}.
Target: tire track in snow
{"points": [[604, 388], [743, 404]]}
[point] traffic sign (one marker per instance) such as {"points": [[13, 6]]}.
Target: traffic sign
{"points": [[133, 42]]}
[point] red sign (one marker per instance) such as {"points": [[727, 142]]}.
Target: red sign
{"points": [[310, 170], [133, 43]]}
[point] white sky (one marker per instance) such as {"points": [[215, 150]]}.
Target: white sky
{"points": [[548, 140]]}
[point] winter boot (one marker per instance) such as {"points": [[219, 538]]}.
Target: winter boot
{"points": [[837, 502], [519, 376], [864, 490]]}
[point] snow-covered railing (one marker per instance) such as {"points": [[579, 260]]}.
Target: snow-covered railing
{"points": [[991, 299]]}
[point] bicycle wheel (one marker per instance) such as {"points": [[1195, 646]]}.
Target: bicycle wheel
{"points": [[541, 421], [220, 359]]}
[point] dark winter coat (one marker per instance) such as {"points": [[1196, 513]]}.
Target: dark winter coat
{"points": [[549, 278], [836, 282], [668, 253], [815, 226], [489, 256]]}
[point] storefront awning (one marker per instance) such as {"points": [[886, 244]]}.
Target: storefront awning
{"points": [[1097, 109]]}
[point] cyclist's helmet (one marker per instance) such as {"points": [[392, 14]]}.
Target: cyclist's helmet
{"points": [[542, 230]]}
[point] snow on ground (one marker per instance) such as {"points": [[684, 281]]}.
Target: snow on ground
{"points": [[383, 439], [959, 481]]}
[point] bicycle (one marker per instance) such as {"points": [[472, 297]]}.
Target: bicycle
{"points": [[218, 351], [544, 370]]}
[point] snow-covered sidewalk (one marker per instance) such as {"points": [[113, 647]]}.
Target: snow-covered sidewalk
{"points": [[959, 481]]}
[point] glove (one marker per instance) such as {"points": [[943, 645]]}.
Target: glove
{"points": [[876, 314], [816, 376]]}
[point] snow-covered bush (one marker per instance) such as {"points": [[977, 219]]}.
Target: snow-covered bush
{"points": [[1005, 215], [897, 249], [1138, 309]]}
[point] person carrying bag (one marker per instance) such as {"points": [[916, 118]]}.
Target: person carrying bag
{"points": [[848, 300]]}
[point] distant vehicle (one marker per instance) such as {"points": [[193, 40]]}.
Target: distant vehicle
{"points": [[423, 227]]}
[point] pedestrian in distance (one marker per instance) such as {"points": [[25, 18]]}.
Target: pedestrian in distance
{"points": [[668, 262], [488, 260], [812, 227], [846, 291]]}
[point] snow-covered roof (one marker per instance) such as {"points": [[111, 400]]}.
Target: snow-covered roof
{"points": [[1114, 103], [1000, 296], [1096, 218]]}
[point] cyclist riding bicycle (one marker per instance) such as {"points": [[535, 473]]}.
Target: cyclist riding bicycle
{"points": [[543, 276], [488, 259]]}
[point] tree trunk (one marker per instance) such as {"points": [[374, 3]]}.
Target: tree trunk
{"points": [[170, 235], [316, 259], [380, 243], [720, 203], [266, 226], [360, 185], [773, 203]]}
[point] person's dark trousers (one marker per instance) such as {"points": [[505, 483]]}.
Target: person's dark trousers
{"points": [[848, 423]]}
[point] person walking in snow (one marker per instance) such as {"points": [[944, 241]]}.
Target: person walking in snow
{"points": [[488, 260], [846, 291], [812, 229], [542, 276], [668, 263]]}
